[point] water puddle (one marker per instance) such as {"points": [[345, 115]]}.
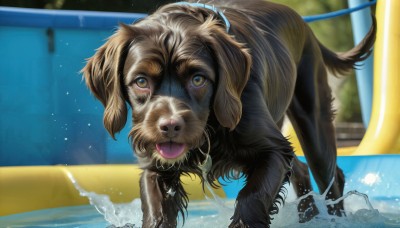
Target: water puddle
{"points": [[360, 210], [217, 213]]}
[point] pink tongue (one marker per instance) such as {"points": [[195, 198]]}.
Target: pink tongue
{"points": [[170, 150]]}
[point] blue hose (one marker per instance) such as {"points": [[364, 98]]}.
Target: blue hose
{"points": [[338, 13]]}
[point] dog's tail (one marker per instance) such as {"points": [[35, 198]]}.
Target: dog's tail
{"points": [[341, 63]]}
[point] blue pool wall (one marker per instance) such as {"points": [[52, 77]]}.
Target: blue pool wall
{"points": [[48, 116], [357, 170]]}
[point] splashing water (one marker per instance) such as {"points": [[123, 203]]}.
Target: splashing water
{"points": [[116, 214], [217, 212], [364, 217]]}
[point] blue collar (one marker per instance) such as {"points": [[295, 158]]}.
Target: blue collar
{"points": [[213, 8]]}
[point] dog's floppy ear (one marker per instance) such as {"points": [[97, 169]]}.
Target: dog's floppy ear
{"points": [[234, 62], [103, 75]]}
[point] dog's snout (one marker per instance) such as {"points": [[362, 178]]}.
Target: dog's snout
{"points": [[171, 127]]}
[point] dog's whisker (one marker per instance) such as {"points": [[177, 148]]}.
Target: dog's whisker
{"points": [[207, 137], [208, 128], [159, 165]]}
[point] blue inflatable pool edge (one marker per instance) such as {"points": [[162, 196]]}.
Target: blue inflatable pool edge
{"points": [[64, 19], [375, 175]]}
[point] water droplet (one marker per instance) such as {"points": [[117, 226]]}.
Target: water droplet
{"points": [[89, 124], [371, 179], [65, 139], [90, 147], [61, 66], [67, 93], [79, 110]]}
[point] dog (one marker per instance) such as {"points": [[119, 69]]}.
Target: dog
{"points": [[209, 85]]}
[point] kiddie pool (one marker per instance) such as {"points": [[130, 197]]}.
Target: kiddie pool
{"points": [[51, 127]]}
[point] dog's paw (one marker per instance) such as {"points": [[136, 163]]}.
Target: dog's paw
{"points": [[307, 209]]}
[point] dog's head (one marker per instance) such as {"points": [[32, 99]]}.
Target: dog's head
{"points": [[174, 68]]}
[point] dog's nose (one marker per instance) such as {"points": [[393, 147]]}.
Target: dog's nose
{"points": [[171, 127]]}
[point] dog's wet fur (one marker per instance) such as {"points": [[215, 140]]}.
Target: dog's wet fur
{"points": [[197, 90]]}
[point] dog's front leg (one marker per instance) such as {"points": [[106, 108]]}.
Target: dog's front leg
{"points": [[256, 201], [159, 195]]}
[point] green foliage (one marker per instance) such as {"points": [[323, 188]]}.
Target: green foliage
{"points": [[335, 33]]}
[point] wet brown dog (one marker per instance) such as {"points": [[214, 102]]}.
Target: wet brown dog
{"points": [[216, 81]]}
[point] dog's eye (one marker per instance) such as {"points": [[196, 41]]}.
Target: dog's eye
{"points": [[142, 83], [198, 81]]}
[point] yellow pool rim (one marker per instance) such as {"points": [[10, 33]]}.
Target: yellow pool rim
{"points": [[29, 188]]}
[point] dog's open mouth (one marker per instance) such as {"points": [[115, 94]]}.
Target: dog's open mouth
{"points": [[170, 150]]}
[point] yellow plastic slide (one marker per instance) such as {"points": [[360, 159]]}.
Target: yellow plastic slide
{"points": [[383, 133]]}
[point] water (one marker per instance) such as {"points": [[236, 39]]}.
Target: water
{"points": [[361, 212]]}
